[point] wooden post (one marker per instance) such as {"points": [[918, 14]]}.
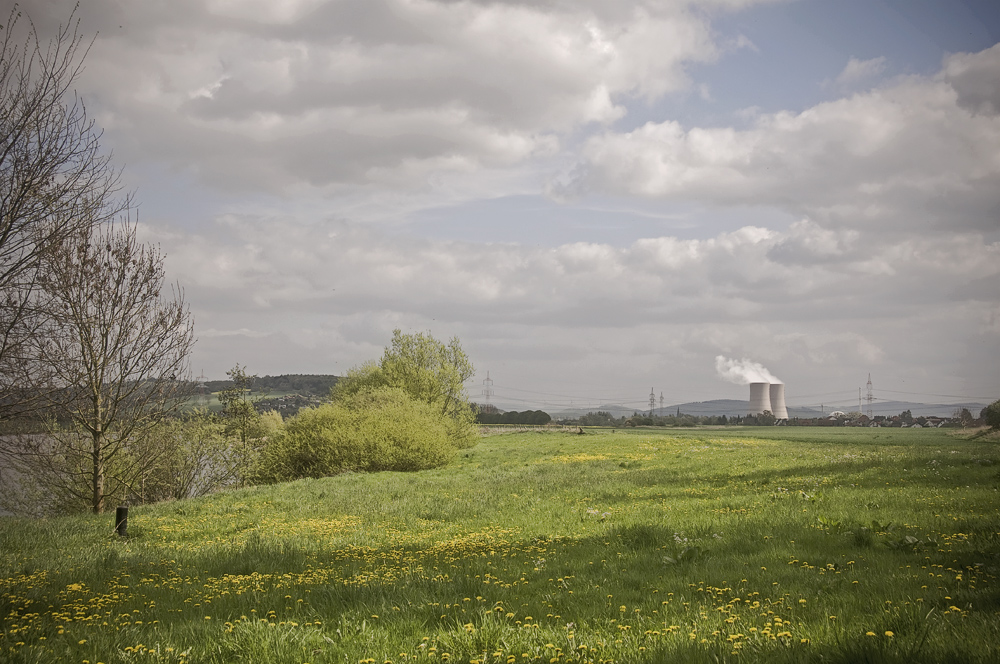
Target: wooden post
{"points": [[121, 519]]}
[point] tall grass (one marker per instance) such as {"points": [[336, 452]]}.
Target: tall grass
{"points": [[784, 545]]}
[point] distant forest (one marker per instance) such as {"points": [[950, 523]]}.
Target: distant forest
{"points": [[305, 384], [512, 417]]}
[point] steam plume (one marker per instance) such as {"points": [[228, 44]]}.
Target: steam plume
{"points": [[743, 372]]}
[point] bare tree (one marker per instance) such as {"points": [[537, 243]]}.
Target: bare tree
{"points": [[198, 458], [54, 180], [117, 351]]}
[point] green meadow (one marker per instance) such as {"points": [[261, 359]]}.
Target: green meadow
{"points": [[702, 545]]}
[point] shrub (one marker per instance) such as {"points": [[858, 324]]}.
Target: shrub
{"points": [[427, 370], [382, 428]]}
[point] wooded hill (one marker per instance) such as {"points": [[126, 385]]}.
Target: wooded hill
{"points": [[306, 384]]}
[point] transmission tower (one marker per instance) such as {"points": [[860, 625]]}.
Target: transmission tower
{"points": [[202, 389], [869, 398], [652, 401], [661, 403], [488, 392]]}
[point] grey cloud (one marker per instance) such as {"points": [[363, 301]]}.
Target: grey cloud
{"points": [[290, 270], [370, 22], [976, 79], [377, 104], [806, 244], [381, 89], [983, 289]]}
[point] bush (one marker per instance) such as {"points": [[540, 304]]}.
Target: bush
{"points": [[427, 370], [382, 428]]}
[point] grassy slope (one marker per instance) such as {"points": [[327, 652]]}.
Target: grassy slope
{"points": [[706, 545]]}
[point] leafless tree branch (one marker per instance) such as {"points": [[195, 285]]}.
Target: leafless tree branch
{"points": [[54, 182]]}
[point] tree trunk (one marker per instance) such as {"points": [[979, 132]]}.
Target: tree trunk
{"points": [[98, 478]]}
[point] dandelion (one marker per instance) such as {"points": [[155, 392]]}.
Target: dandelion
{"points": [[889, 634]]}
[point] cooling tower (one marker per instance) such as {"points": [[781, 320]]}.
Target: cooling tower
{"points": [[777, 394], [760, 398]]}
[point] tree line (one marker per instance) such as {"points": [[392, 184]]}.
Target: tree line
{"points": [[605, 419], [493, 416], [309, 384]]}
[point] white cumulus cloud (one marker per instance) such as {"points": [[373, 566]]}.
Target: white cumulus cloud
{"points": [[918, 155]]}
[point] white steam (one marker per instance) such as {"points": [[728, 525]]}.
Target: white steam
{"points": [[743, 372]]}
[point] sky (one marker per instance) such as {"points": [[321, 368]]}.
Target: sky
{"points": [[599, 199]]}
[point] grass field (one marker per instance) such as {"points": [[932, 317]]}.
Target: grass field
{"points": [[705, 545]]}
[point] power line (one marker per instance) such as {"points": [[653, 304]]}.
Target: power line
{"points": [[947, 396]]}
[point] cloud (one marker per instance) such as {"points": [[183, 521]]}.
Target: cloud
{"points": [[911, 156], [860, 71], [743, 371], [273, 269], [283, 296], [321, 130], [976, 79], [325, 95]]}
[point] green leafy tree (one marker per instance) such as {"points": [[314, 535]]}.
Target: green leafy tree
{"points": [[991, 415], [242, 419], [426, 369], [600, 418]]}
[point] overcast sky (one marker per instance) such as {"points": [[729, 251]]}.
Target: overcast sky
{"points": [[596, 197]]}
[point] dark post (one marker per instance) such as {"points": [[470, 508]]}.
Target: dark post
{"points": [[121, 519]]}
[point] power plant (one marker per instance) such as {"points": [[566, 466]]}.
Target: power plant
{"points": [[777, 392], [769, 397], [760, 398]]}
